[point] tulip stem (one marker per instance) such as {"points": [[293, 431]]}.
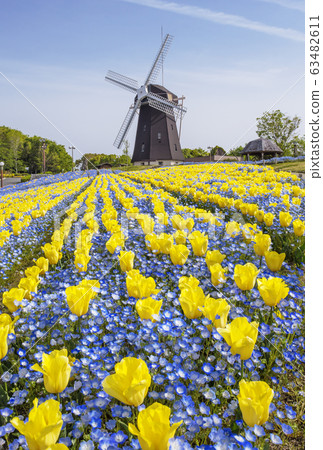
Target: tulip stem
{"points": [[260, 262], [242, 368], [58, 396], [270, 317]]}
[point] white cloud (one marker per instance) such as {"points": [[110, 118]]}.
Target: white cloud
{"points": [[220, 17], [290, 4]]}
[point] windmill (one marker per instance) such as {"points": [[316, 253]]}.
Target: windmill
{"points": [[157, 140]]}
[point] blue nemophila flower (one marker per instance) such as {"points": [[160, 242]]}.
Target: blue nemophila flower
{"points": [[275, 439], [6, 412]]}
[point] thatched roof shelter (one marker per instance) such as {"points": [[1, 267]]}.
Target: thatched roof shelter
{"points": [[261, 147]]}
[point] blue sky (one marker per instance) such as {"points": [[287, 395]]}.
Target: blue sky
{"points": [[232, 60]]}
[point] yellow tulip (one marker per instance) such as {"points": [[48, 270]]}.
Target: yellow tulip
{"points": [[154, 430], [245, 276], [217, 274], [5, 320], [116, 240], [147, 223], [179, 254], [182, 224], [152, 242], [299, 227], [108, 215], [33, 272], [199, 242], [272, 290], [259, 215], [126, 261], [81, 261], [254, 401], [148, 307], [232, 228], [269, 219], [214, 257], [56, 368], [43, 427], [93, 225], [4, 331], [78, 299], [165, 241], [51, 253], [130, 383], [274, 260], [13, 298], [57, 447], [16, 227], [178, 222], [262, 243], [244, 208], [180, 237], [191, 301], [43, 264], [285, 219], [58, 244], [217, 311], [132, 213], [4, 236], [188, 282], [29, 284], [252, 208], [241, 336], [91, 285], [162, 218], [139, 286]]}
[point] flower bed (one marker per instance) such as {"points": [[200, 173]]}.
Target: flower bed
{"points": [[165, 310]]}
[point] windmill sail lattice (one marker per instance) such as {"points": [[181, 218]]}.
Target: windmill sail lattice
{"points": [[157, 137]]}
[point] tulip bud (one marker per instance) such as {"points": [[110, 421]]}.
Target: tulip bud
{"points": [[43, 427], [130, 383], [272, 290], [241, 336], [274, 260], [154, 430], [245, 276], [179, 254], [56, 368], [254, 401]]}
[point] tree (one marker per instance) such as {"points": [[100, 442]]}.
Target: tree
{"points": [[15, 139], [279, 128], [217, 150], [236, 150], [298, 146], [125, 150], [193, 153], [123, 160]]}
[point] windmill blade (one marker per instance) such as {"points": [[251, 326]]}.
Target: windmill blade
{"points": [[126, 125], [158, 102], [154, 71], [120, 80]]}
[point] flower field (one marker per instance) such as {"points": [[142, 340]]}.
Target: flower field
{"points": [[155, 309]]}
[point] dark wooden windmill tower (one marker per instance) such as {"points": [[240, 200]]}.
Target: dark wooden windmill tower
{"points": [[157, 140]]}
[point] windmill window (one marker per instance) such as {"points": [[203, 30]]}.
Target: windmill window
{"points": [[175, 147], [145, 127], [172, 126], [142, 147], [159, 137]]}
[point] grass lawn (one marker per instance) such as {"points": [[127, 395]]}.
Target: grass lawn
{"points": [[131, 168], [294, 166]]}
